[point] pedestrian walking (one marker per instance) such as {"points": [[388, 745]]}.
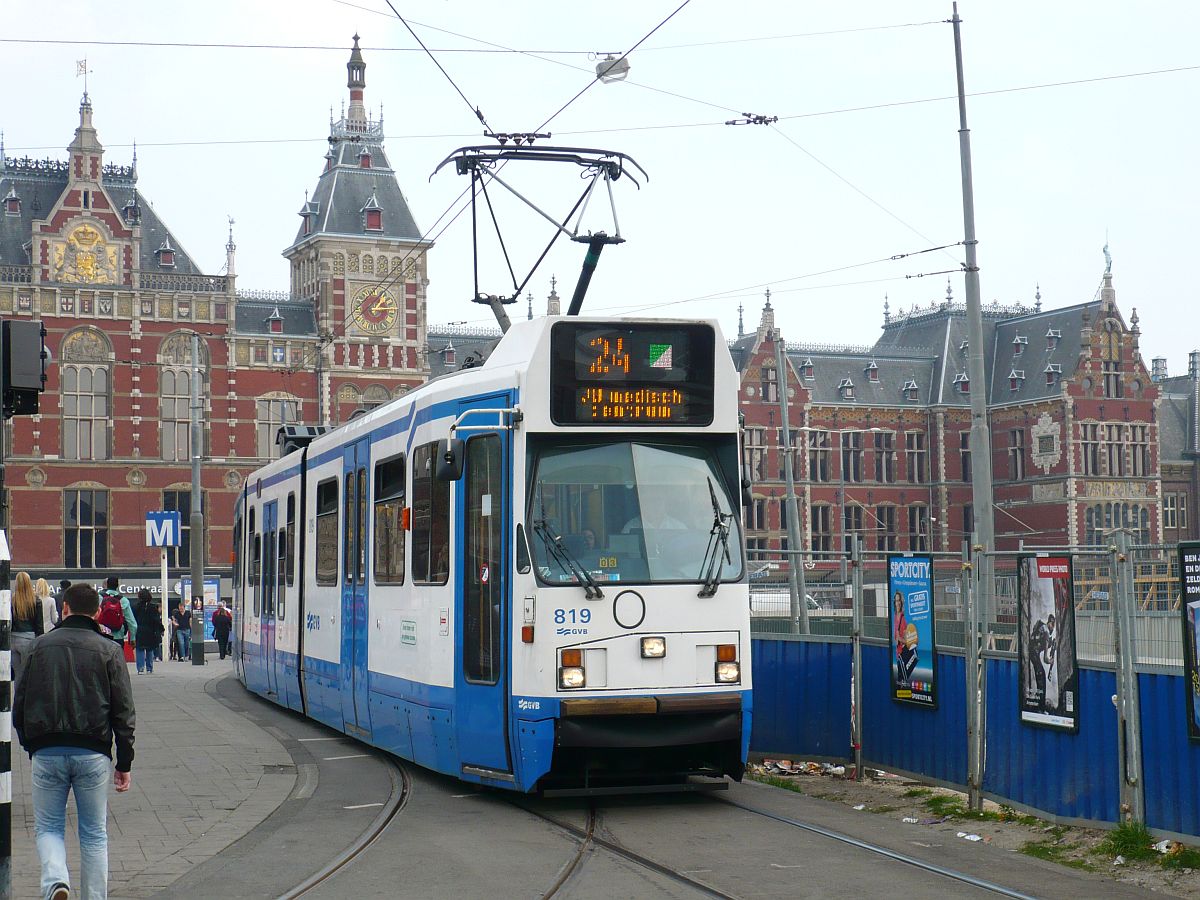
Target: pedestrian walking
{"points": [[27, 624], [222, 623], [49, 604], [116, 612], [182, 621], [75, 700], [58, 599], [149, 631]]}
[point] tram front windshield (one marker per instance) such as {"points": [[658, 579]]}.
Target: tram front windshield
{"points": [[632, 512]]}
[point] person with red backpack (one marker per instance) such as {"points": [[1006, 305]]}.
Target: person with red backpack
{"points": [[116, 613]]}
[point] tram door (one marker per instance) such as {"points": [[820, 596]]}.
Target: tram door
{"points": [[268, 578], [483, 607], [355, 712]]}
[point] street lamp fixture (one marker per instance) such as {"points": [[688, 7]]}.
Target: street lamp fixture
{"points": [[612, 68]]}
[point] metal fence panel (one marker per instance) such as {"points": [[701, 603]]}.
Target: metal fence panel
{"points": [[801, 697], [902, 736], [1171, 763], [1067, 775]]}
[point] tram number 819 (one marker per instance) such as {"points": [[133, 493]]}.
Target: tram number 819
{"points": [[572, 616]]}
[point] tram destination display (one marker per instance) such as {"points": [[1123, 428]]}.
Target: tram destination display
{"points": [[631, 374], [1189, 592], [1049, 670], [910, 621]]}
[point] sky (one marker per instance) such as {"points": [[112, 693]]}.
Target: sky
{"points": [[1081, 117]]}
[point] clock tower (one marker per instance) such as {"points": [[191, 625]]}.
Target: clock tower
{"points": [[359, 258]]}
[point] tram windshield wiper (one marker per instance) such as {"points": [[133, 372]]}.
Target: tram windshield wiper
{"points": [[566, 561], [718, 547]]}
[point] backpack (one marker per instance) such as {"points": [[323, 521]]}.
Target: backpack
{"points": [[112, 615]]}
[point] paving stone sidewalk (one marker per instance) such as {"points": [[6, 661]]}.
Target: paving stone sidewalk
{"points": [[203, 776]]}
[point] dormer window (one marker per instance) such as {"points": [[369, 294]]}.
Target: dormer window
{"points": [[806, 369], [1016, 378], [364, 158], [12, 203], [309, 212], [275, 321], [873, 373], [448, 354], [166, 254], [329, 160], [131, 212], [1053, 373], [963, 347], [1019, 344], [962, 383], [846, 389], [372, 214], [1053, 336], [910, 390]]}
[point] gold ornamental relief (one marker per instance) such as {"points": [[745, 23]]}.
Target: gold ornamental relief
{"points": [[84, 258]]}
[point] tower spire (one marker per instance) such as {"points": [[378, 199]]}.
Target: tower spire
{"points": [[356, 81]]}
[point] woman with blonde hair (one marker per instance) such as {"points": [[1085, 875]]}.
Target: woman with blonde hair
{"points": [[26, 623], [49, 607]]}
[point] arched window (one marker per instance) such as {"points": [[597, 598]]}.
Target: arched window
{"points": [[273, 411], [175, 414], [86, 383]]}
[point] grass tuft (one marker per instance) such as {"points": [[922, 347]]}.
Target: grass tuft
{"points": [[1055, 852], [1185, 858], [1130, 840], [917, 792]]}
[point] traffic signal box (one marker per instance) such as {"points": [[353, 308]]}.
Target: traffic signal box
{"points": [[22, 366]]}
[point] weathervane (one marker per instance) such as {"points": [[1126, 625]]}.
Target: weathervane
{"points": [[81, 68]]}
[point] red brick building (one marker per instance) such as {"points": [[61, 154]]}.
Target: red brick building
{"points": [[880, 433], [83, 252]]}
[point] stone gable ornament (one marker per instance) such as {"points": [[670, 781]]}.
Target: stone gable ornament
{"points": [[1047, 443]]}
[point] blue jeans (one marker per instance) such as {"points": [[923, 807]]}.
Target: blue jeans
{"points": [[88, 775], [184, 636], [145, 659]]}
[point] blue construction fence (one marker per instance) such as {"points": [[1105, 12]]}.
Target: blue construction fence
{"points": [[802, 709]]}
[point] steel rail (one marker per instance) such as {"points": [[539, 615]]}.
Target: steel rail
{"points": [[952, 874], [570, 868], [396, 802], [588, 837]]}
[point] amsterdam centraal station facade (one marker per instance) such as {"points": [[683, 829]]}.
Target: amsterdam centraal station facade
{"points": [[1085, 436]]}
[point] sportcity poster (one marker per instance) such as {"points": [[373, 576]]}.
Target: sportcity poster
{"points": [[910, 615], [1189, 583], [1049, 673]]}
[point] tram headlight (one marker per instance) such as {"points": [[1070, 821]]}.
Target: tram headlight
{"points": [[571, 677], [729, 672], [654, 647]]}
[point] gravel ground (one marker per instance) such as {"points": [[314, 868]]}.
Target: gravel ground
{"points": [[922, 807]]}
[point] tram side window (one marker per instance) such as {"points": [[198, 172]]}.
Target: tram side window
{"points": [[430, 519], [237, 551], [482, 578], [389, 529], [291, 540], [280, 578], [327, 531], [252, 575]]}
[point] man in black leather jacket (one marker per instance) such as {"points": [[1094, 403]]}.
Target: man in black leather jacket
{"points": [[73, 700]]}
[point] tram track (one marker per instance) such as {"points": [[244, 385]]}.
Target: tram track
{"points": [[588, 839], [401, 790], [895, 855]]}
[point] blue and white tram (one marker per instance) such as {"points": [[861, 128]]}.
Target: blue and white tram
{"points": [[527, 574]]}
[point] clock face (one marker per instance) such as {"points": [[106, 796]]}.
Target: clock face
{"points": [[374, 310]]}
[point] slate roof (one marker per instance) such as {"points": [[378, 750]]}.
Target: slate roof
{"points": [[344, 189], [1177, 419], [831, 369], [466, 342], [39, 184], [253, 318], [1036, 354]]}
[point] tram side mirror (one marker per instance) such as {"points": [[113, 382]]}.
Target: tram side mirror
{"points": [[449, 459], [747, 498]]}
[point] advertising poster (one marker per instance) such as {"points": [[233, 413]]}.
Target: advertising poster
{"points": [[212, 591], [910, 617], [1049, 673], [1189, 593]]}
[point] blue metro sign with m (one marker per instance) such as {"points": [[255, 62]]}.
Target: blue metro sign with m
{"points": [[163, 529]]}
